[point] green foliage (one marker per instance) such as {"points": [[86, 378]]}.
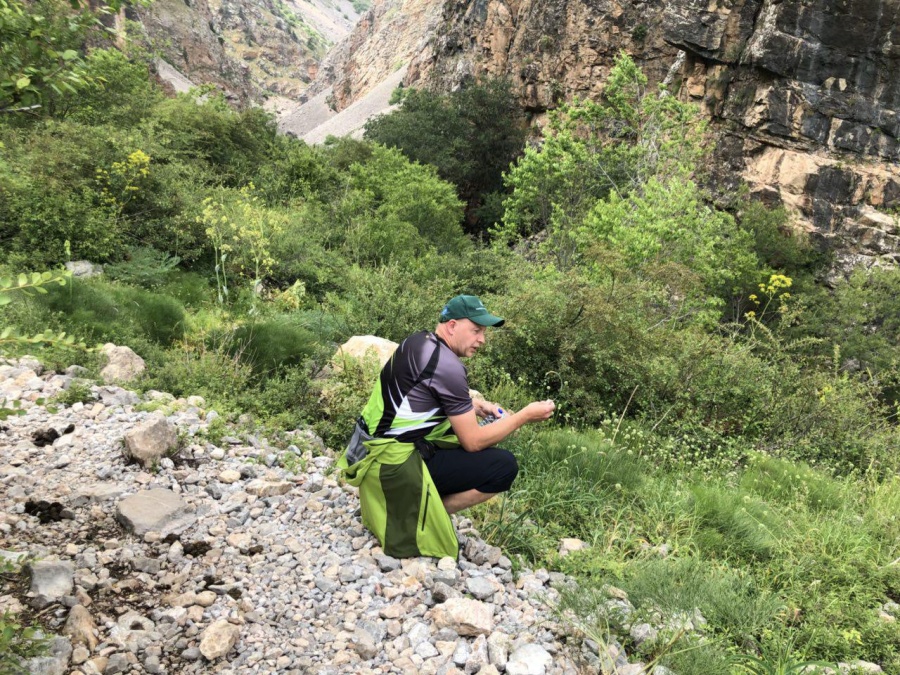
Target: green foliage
{"points": [[791, 483], [594, 149], [116, 89], [77, 392], [471, 136], [145, 267], [340, 398], [736, 522], [39, 51], [102, 312], [232, 144], [399, 206], [26, 284], [269, 346], [728, 599], [17, 641]]}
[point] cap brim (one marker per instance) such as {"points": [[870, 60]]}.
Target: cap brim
{"points": [[487, 320]]}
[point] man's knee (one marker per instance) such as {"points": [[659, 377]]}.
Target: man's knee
{"points": [[506, 468]]}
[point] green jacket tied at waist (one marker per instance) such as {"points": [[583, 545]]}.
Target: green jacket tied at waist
{"points": [[400, 504]]}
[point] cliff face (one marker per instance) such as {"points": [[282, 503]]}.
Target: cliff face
{"points": [[386, 38], [804, 96], [249, 49], [808, 94]]}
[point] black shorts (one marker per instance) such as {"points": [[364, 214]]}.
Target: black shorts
{"points": [[454, 470]]}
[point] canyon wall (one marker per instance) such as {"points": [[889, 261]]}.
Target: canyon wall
{"points": [[804, 96]]}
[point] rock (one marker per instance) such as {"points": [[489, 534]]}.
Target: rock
{"points": [[83, 269], [218, 639], [530, 659], [50, 581], [359, 346], [464, 616], [643, 632], [367, 639], [498, 644], [80, 627], [56, 660], [441, 592], [151, 440], [229, 476], [155, 510], [114, 396], [481, 588], [262, 488], [567, 546], [123, 365]]}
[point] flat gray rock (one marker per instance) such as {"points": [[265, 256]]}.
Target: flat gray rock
{"points": [[50, 581], [156, 510]]}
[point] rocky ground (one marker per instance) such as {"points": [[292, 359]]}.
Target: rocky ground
{"points": [[154, 542]]}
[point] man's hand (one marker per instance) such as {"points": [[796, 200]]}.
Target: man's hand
{"points": [[539, 410], [485, 408], [474, 438]]}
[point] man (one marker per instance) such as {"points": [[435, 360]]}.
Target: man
{"points": [[421, 403]]}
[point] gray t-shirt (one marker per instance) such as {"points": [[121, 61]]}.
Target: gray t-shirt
{"points": [[423, 383]]}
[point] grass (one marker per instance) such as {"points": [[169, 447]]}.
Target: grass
{"points": [[786, 563]]}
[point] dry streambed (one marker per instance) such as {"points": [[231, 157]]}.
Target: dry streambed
{"points": [[150, 549]]}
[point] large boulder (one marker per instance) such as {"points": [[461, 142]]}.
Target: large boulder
{"points": [[155, 510], [360, 346], [151, 440], [123, 365]]}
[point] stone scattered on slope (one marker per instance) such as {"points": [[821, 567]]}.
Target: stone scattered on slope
{"points": [[151, 440], [156, 510], [123, 365], [218, 639], [50, 581], [278, 561], [80, 627]]}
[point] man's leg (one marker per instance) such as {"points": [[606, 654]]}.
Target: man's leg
{"points": [[463, 500], [464, 479]]}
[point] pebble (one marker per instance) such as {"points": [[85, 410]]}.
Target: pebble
{"points": [[263, 571]]}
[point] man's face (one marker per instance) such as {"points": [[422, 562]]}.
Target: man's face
{"points": [[468, 337]]}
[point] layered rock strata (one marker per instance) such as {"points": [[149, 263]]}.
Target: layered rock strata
{"points": [[805, 97]]}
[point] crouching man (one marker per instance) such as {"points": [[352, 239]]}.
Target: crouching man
{"points": [[417, 452]]}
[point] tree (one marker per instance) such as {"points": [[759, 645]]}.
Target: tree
{"points": [[622, 173], [471, 136], [40, 49], [591, 149]]}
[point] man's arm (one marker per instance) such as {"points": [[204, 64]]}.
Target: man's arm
{"points": [[474, 438]]}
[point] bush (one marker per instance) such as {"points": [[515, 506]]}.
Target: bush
{"points": [[101, 312], [144, 266], [270, 346]]}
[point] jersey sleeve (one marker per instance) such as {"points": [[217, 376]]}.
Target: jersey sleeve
{"points": [[450, 386]]}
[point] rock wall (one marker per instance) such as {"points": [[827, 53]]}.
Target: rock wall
{"points": [[249, 49], [804, 96], [386, 38], [808, 97]]}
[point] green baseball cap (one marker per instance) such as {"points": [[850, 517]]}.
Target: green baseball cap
{"points": [[471, 308]]}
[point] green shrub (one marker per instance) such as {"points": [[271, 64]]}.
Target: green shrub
{"points": [[269, 346], [196, 370], [77, 392], [791, 483], [102, 312], [117, 89], [144, 266], [342, 394], [735, 522]]}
